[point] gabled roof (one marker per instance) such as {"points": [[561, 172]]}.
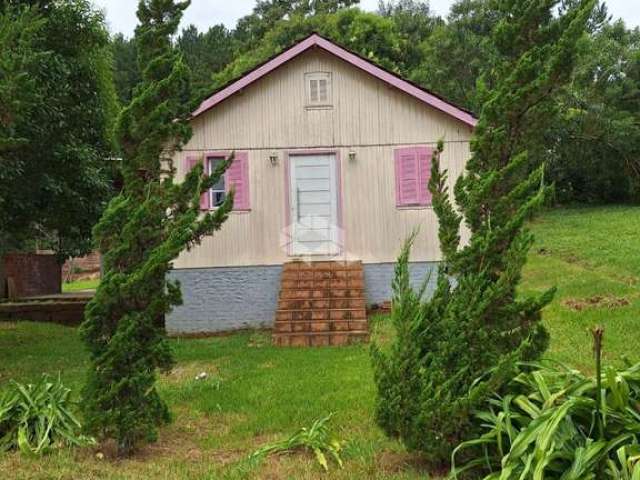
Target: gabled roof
{"points": [[316, 41]]}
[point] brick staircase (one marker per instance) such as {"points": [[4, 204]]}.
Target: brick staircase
{"points": [[321, 303]]}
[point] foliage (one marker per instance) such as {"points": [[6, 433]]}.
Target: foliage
{"points": [[205, 54], [368, 34], [37, 418], [62, 112], [597, 135], [142, 231], [19, 31], [452, 58], [251, 29], [125, 67], [315, 438], [553, 422], [431, 379]]}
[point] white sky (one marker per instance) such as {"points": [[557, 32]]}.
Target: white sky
{"points": [[121, 14]]}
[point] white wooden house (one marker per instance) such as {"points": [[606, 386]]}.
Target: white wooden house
{"points": [[332, 159]]}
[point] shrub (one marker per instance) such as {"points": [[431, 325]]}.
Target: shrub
{"points": [[433, 377], [553, 422], [37, 418]]}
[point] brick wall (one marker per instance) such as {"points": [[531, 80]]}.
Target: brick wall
{"points": [[31, 274]]}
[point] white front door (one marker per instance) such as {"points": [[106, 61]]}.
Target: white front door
{"points": [[314, 205]]}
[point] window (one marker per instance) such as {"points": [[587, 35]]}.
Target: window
{"points": [[218, 191], [318, 87], [413, 170]]}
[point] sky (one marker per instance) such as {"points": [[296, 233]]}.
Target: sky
{"points": [[121, 14]]}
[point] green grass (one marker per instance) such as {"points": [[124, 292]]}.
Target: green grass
{"points": [[589, 253], [80, 285], [256, 393]]}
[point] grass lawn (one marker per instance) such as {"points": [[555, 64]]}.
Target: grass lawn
{"points": [[256, 393], [80, 285]]}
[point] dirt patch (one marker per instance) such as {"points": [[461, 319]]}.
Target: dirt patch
{"points": [[597, 301], [394, 463], [185, 372]]}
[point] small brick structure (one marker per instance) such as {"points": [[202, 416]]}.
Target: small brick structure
{"points": [[321, 303], [31, 274], [82, 268]]}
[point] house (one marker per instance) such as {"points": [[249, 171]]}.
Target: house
{"points": [[332, 159]]}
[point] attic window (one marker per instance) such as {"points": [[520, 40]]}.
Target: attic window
{"points": [[318, 87]]}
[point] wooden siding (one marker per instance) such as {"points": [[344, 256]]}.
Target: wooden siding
{"points": [[368, 117]]}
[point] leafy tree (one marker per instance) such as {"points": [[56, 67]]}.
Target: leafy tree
{"points": [[267, 13], [453, 57], [206, 54], [455, 350], [596, 154], [142, 231], [19, 97], [415, 24], [368, 34], [60, 173], [126, 74]]}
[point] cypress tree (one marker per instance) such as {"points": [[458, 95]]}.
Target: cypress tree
{"points": [[143, 229], [456, 349]]}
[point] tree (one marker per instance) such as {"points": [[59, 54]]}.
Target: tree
{"points": [[453, 57], [267, 13], [126, 74], [455, 350], [60, 173], [368, 34], [596, 139], [142, 231], [205, 54], [415, 23], [19, 97]]}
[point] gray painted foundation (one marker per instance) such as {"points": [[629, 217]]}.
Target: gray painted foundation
{"points": [[225, 298], [231, 298], [378, 277]]}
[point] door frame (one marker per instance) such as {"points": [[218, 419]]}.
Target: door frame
{"points": [[287, 194]]}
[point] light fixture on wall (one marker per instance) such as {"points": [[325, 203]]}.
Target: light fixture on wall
{"points": [[352, 155], [273, 158]]}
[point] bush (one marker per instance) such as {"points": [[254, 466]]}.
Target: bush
{"points": [[37, 418], [553, 422]]}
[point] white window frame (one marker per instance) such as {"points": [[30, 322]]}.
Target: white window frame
{"points": [[317, 76], [212, 191]]}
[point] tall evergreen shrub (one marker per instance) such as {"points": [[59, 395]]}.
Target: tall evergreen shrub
{"points": [[454, 350], [144, 228]]}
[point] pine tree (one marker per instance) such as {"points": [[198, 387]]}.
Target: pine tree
{"points": [[456, 349], [143, 229]]}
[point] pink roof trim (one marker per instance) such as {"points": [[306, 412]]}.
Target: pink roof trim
{"points": [[316, 40]]}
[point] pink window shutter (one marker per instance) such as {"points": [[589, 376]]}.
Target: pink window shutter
{"points": [[407, 176], [237, 175], [192, 161], [424, 164]]}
